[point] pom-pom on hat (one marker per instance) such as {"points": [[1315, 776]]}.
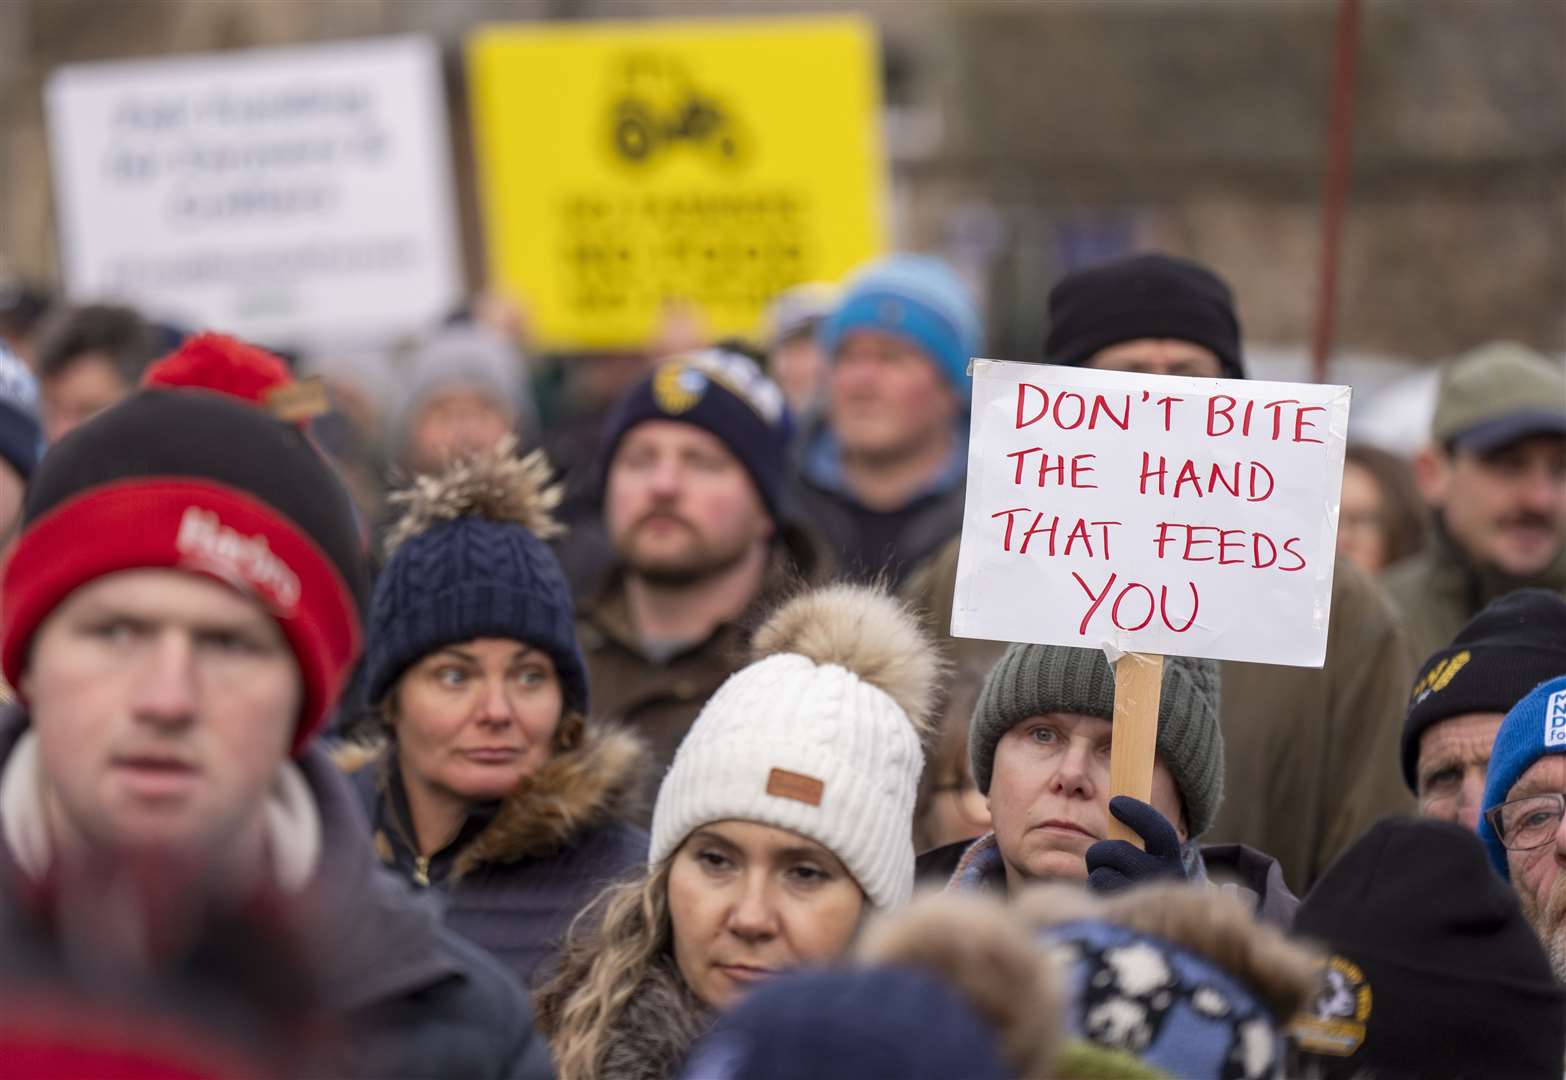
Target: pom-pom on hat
{"points": [[218, 364], [819, 735], [468, 559], [206, 484]]}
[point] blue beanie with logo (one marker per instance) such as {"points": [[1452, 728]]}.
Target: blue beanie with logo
{"points": [[726, 394], [1536, 726], [918, 298]]}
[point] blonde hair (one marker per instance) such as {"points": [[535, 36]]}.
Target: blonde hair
{"points": [[611, 947]]}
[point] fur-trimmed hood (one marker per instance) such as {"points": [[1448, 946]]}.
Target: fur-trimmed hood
{"points": [[655, 1031], [598, 781]]}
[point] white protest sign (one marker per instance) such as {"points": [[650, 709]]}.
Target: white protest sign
{"points": [[289, 195], [1150, 513]]}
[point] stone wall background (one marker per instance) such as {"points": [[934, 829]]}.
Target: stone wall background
{"points": [[1028, 137]]}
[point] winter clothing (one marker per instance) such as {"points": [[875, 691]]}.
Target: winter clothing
{"points": [[21, 431], [1311, 754], [819, 735], [1505, 651], [1031, 680], [201, 483], [519, 870], [470, 561], [1257, 878], [918, 298], [889, 546], [1118, 864], [658, 697], [1496, 395], [1441, 588], [654, 1032], [1434, 971], [411, 998], [1534, 727], [848, 1025], [725, 394], [1171, 1008], [465, 356], [799, 310], [1143, 296]]}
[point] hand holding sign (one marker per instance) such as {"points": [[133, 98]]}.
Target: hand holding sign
{"points": [[1150, 515]]}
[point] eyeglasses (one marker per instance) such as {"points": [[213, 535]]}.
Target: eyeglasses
{"points": [[1527, 823]]}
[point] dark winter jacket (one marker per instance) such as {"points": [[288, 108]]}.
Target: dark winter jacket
{"points": [[885, 545], [976, 864], [658, 699], [414, 999], [521, 869]]}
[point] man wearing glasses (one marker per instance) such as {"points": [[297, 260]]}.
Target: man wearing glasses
{"points": [[1524, 796]]}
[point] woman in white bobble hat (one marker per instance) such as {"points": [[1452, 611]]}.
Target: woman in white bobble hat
{"points": [[786, 817]]}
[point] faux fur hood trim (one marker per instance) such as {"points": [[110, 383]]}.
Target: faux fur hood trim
{"points": [[654, 1033], [597, 782]]}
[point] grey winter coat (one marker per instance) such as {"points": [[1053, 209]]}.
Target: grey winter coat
{"points": [[520, 870], [410, 998]]}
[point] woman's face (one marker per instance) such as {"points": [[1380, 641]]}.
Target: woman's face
{"points": [[1362, 534], [474, 718], [748, 901]]}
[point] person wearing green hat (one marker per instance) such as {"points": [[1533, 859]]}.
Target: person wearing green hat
{"points": [[1039, 745], [1495, 474]]}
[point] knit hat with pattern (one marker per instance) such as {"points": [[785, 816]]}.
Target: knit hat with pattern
{"points": [[467, 560], [820, 735], [1030, 680]]}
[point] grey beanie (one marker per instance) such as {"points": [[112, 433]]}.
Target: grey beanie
{"points": [[1031, 680]]}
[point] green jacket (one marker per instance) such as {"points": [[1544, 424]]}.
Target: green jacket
{"points": [[1438, 590]]}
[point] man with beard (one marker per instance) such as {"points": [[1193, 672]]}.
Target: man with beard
{"points": [[695, 461], [1495, 474], [1524, 795]]}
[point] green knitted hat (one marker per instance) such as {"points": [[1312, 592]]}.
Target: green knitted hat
{"points": [[1031, 680]]}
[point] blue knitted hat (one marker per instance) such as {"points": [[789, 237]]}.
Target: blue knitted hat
{"points": [[468, 559], [1162, 1004], [1536, 726], [916, 297], [724, 393]]}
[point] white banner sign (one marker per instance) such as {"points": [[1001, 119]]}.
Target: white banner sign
{"points": [[1150, 513], [284, 195]]}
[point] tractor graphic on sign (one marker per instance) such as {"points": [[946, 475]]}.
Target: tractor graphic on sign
{"points": [[657, 108]]}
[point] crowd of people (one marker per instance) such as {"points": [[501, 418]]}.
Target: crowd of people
{"points": [[447, 713]]}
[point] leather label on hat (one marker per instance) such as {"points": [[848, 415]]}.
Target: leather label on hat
{"points": [[793, 785]]}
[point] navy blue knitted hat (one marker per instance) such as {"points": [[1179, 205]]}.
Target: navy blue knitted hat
{"points": [[468, 559], [725, 393]]}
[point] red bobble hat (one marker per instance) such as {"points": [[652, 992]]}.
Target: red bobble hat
{"points": [[206, 483]]}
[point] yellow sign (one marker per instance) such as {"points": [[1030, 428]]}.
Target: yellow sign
{"points": [[630, 168]]}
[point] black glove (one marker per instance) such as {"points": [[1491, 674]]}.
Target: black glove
{"points": [[1115, 864]]}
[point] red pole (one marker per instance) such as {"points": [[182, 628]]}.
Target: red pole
{"points": [[1340, 151]]}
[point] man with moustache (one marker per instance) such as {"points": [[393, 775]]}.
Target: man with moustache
{"points": [[1495, 474], [693, 483], [1463, 692], [1524, 795]]}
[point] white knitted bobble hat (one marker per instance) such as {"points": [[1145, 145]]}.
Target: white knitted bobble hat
{"points": [[819, 735]]}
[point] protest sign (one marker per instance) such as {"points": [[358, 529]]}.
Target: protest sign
{"points": [[628, 167], [1150, 515], [1154, 514], [291, 195]]}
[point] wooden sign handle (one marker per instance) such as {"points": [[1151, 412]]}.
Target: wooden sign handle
{"points": [[1139, 680]]}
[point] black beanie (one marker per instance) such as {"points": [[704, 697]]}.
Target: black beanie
{"points": [[1433, 969], [1143, 296], [1510, 647], [203, 483]]}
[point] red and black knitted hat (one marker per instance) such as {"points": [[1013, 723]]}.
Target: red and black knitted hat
{"points": [[206, 483]]}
